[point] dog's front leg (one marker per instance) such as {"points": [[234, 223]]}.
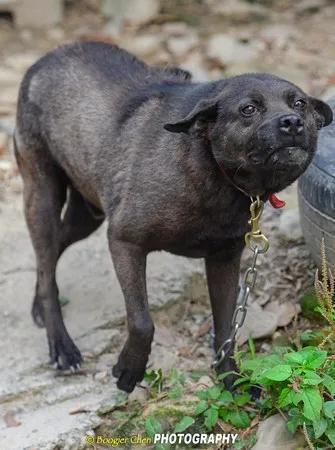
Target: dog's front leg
{"points": [[130, 264], [222, 279]]}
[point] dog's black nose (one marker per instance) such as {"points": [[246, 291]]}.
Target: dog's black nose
{"points": [[291, 124]]}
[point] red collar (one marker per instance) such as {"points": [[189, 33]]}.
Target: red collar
{"points": [[273, 199]]}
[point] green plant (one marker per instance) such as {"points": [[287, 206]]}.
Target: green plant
{"points": [[325, 290], [301, 385], [217, 403], [154, 378]]}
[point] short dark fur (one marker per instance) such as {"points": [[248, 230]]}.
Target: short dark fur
{"points": [[90, 144]]}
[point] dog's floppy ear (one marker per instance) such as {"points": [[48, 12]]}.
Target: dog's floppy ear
{"points": [[204, 111], [323, 111]]}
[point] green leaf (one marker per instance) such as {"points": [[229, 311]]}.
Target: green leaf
{"points": [[214, 392], [203, 395], [155, 379], [296, 397], [223, 376], [252, 347], [330, 433], [238, 419], [295, 358], [295, 420], [329, 384], [241, 381], [310, 357], [317, 361], [329, 409], [212, 416], [314, 358], [285, 397], [311, 378], [280, 373], [319, 427], [201, 407], [241, 400], [153, 426], [226, 398], [185, 423], [312, 403]]}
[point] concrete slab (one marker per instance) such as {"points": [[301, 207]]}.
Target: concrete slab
{"points": [[28, 386]]}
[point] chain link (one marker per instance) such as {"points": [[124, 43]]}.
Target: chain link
{"points": [[258, 244], [240, 312]]}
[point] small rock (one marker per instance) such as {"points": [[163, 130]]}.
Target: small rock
{"points": [[273, 434], [285, 311], [5, 165], [204, 382], [163, 358], [178, 46], [113, 28], [133, 11], [143, 45], [139, 394], [100, 376], [227, 49], [241, 11], [258, 323], [289, 226]]}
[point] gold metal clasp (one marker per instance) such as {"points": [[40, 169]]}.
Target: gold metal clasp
{"points": [[255, 239]]}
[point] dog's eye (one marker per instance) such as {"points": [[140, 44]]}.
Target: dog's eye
{"points": [[300, 104], [249, 110]]}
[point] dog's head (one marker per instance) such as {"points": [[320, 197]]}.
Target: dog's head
{"points": [[262, 130]]}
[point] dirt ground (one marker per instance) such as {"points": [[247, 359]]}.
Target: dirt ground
{"points": [[213, 39]]}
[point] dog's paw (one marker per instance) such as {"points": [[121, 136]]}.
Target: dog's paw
{"points": [[38, 313], [127, 376], [64, 354]]}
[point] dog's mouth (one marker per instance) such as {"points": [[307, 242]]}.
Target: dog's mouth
{"points": [[280, 157]]}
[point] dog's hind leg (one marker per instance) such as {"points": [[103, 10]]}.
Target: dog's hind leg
{"points": [[79, 221], [44, 197]]}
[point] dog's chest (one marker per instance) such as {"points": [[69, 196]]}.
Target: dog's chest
{"points": [[209, 231]]}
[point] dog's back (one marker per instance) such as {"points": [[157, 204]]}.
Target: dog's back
{"points": [[73, 100], [93, 71]]}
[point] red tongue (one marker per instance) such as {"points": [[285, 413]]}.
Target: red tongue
{"points": [[276, 202]]}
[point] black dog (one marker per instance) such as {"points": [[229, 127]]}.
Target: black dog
{"points": [[101, 133]]}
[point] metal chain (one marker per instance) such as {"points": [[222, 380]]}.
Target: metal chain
{"points": [[253, 238]]}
